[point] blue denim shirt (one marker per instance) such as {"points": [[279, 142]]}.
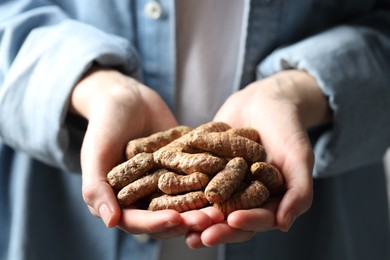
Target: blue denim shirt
{"points": [[46, 46]]}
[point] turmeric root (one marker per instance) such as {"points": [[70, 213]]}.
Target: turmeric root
{"points": [[246, 132], [188, 163], [215, 158], [228, 145], [172, 183], [251, 197], [180, 203], [181, 143], [227, 181], [130, 170], [213, 127], [155, 141], [269, 176], [140, 188]]}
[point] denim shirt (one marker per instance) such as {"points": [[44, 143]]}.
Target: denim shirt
{"points": [[47, 45]]}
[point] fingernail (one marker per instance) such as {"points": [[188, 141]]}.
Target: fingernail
{"points": [[171, 224], [196, 228], [105, 213], [289, 220]]}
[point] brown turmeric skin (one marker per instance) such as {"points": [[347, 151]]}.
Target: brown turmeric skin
{"points": [[246, 132], [140, 188], [196, 168], [227, 181], [251, 197], [155, 141], [188, 163], [172, 183], [181, 143], [185, 202], [228, 145], [270, 176], [213, 127], [130, 170]]}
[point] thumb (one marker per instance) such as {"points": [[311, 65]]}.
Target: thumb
{"points": [[101, 201], [96, 162], [299, 194]]}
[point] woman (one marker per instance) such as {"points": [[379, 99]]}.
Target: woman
{"points": [[75, 75]]}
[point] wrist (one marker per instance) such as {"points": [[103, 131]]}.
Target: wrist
{"points": [[99, 86], [302, 89], [77, 101]]}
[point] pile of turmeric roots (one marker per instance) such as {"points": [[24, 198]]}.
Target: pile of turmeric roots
{"points": [[185, 169]]}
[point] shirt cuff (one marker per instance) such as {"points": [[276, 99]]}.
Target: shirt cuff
{"points": [[34, 96], [350, 68]]}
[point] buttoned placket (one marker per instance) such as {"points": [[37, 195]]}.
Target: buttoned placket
{"points": [[153, 9]]}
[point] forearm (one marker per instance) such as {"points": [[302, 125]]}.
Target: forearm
{"points": [[40, 65], [350, 65]]}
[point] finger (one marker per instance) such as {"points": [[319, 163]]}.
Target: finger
{"points": [[193, 220], [102, 149], [194, 240], [101, 201], [258, 219], [138, 221], [193, 237], [299, 193], [93, 211], [196, 220], [97, 193], [296, 163], [295, 202], [215, 215], [174, 232], [223, 233]]}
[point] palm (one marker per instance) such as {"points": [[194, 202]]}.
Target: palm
{"points": [[118, 109], [288, 148]]}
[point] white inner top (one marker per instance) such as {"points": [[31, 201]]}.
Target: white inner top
{"points": [[208, 39]]}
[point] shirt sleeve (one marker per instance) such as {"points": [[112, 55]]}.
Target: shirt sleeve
{"points": [[351, 64], [42, 55]]}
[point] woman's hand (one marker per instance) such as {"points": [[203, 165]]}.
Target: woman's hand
{"points": [[118, 109], [280, 107]]}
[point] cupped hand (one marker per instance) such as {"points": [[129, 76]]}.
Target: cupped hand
{"points": [[118, 109], [281, 108]]}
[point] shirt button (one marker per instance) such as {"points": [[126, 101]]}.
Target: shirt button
{"points": [[153, 10], [142, 238]]}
